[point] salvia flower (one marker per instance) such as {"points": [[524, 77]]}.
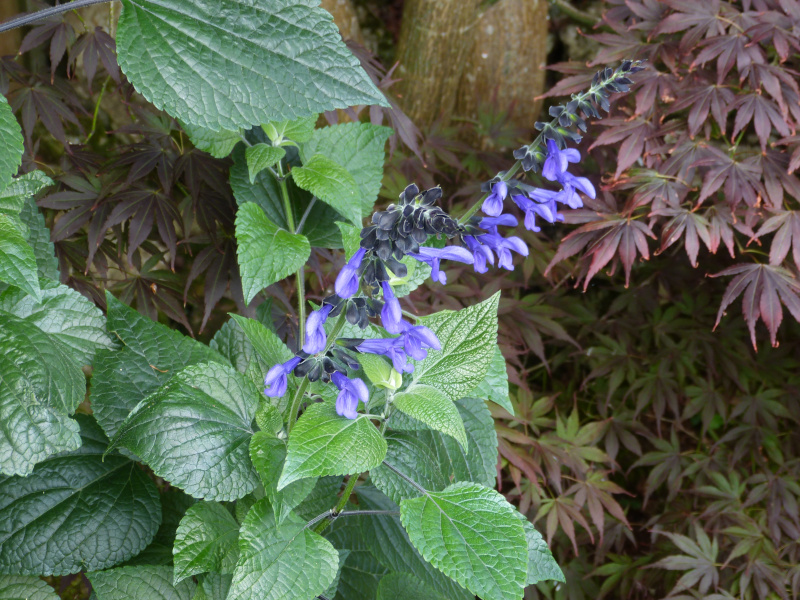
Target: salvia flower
{"points": [[316, 338], [433, 257], [391, 313], [556, 163], [481, 254], [568, 195], [417, 339], [350, 392], [503, 247], [493, 205], [276, 381], [545, 209], [347, 280], [391, 347], [491, 224]]}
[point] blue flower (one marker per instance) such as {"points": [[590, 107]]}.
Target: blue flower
{"points": [[556, 163], [545, 207], [351, 391], [391, 347], [481, 254], [347, 280], [391, 313], [316, 338], [490, 224], [493, 205], [276, 380], [433, 256], [570, 183], [416, 339], [503, 246]]}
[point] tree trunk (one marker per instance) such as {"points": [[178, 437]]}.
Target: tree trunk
{"points": [[346, 19], [436, 38], [506, 62], [10, 40]]}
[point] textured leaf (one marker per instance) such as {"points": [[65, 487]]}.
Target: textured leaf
{"points": [[261, 156], [331, 591], [494, 386], [414, 458], [322, 498], [268, 350], [389, 543], [360, 576], [194, 431], [281, 563], [151, 354], [39, 240], [17, 260], [380, 372], [541, 564], [468, 338], [319, 228], [266, 252], [331, 183], [141, 582], [299, 130], [21, 587], [232, 343], [268, 454], [77, 511], [479, 462], [11, 143], [428, 405], [174, 504], [232, 64], [14, 195], [473, 535], [323, 443], [206, 540], [213, 586], [402, 586], [218, 144], [359, 148]]}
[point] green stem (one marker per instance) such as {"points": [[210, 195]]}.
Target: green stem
{"points": [[97, 109], [298, 398], [348, 490], [575, 14], [301, 273], [386, 410]]}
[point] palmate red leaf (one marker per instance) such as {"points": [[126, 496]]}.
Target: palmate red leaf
{"points": [[787, 225], [683, 222], [652, 187], [702, 99], [765, 289], [764, 114], [739, 179], [630, 134], [697, 19]]}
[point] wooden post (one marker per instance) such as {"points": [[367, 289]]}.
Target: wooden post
{"points": [[346, 19], [436, 39], [507, 60]]}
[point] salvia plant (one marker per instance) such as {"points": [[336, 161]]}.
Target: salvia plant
{"points": [[256, 439]]}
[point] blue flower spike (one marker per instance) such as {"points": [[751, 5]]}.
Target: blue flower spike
{"points": [[433, 257], [391, 347], [276, 381], [391, 313], [350, 392], [316, 338], [347, 280]]}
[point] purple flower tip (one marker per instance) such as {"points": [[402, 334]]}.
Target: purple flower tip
{"points": [[350, 392], [347, 280], [276, 380], [316, 338]]}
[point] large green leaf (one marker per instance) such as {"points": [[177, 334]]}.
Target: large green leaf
{"points": [[77, 511], [268, 350], [402, 586], [232, 64], [323, 443], [11, 143], [174, 504], [262, 156], [472, 534], [479, 462], [13, 197], [494, 386], [141, 582], [389, 543], [268, 454], [39, 240], [428, 405], [17, 260], [151, 354], [194, 431], [207, 540], [469, 339], [541, 564], [361, 571], [296, 130], [281, 563], [24, 587], [232, 343], [319, 226], [414, 458], [218, 144], [331, 183], [213, 586], [266, 252], [359, 148]]}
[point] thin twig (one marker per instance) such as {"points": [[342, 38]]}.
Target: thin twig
{"points": [[47, 12]]}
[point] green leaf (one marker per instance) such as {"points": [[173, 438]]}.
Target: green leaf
{"points": [[141, 582], [174, 504], [13, 197], [213, 586], [266, 252], [268, 351], [319, 228], [194, 432], [331, 183], [17, 261], [541, 564], [381, 372], [268, 454], [39, 240], [207, 540], [218, 144], [428, 405], [359, 148], [472, 534], [21, 587], [323, 443], [300, 130], [479, 462], [151, 354], [323, 497], [494, 386], [468, 338], [261, 156], [389, 543], [231, 342], [360, 576], [331, 591], [351, 238], [268, 418], [402, 586], [76, 511], [231, 64], [281, 563], [417, 274], [412, 457], [11, 143]]}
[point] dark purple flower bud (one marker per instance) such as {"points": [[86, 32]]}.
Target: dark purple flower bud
{"points": [[391, 313], [276, 381], [347, 280], [493, 205], [316, 338], [350, 392], [433, 256]]}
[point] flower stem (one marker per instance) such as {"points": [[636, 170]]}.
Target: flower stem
{"points": [[348, 490], [298, 398], [301, 273]]}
